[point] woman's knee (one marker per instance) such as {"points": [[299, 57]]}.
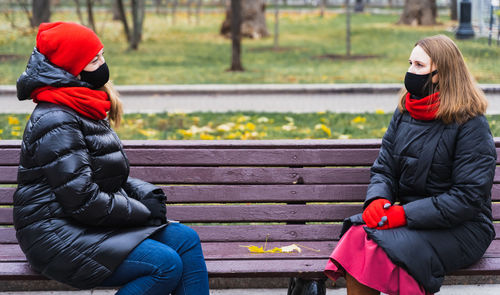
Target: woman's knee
{"points": [[169, 263]]}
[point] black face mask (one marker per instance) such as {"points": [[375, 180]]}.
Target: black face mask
{"points": [[96, 78], [417, 84]]}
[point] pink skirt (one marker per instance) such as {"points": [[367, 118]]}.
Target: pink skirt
{"points": [[368, 264]]}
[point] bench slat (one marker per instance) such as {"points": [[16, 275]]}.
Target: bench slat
{"points": [[253, 233], [255, 213], [262, 213], [249, 193], [256, 268], [252, 157], [233, 175], [239, 250], [228, 157], [257, 193]]}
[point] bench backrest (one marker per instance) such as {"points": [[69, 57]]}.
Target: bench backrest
{"points": [[280, 191]]}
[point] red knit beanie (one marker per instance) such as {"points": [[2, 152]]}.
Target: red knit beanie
{"points": [[68, 45]]}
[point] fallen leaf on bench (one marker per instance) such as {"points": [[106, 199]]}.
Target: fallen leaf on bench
{"points": [[291, 248], [255, 249], [285, 249]]}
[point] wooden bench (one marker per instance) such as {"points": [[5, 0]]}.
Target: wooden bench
{"points": [[241, 193]]}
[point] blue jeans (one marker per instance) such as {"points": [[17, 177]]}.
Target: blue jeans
{"points": [[169, 262]]}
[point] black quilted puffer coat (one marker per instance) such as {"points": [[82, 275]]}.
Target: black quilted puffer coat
{"points": [[76, 210], [442, 175]]}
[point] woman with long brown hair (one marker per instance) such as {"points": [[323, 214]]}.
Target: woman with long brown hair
{"points": [[428, 206], [79, 218]]}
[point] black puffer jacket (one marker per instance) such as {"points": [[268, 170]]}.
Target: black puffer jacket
{"points": [[76, 211], [442, 174]]}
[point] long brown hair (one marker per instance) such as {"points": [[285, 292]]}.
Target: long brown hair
{"points": [[460, 97], [116, 111]]}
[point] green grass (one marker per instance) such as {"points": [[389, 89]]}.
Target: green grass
{"points": [[241, 125], [190, 54]]}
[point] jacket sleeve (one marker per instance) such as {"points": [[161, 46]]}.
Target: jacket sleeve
{"points": [[138, 189], [383, 180], [472, 178], [61, 153]]}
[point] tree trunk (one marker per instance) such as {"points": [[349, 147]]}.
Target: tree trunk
{"points": [[236, 8], [253, 16], [419, 13], [453, 10], [198, 11], [276, 24], [347, 28], [123, 18], [40, 12], [90, 15], [115, 9], [79, 11], [322, 8], [157, 6], [189, 11], [174, 9], [137, 20]]}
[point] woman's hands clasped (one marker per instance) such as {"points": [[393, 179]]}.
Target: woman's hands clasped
{"points": [[380, 214]]}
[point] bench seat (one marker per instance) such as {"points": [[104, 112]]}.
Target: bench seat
{"points": [[242, 193]]}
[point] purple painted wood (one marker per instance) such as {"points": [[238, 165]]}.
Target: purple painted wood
{"points": [[262, 213], [7, 235], [239, 250], [258, 193], [8, 174], [255, 213], [264, 193], [18, 271], [307, 268], [227, 175], [244, 157], [9, 156], [6, 194], [6, 216], [232, 175], [260, 233]]}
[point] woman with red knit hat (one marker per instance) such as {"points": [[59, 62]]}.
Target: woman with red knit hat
{"points": [[79, 218], [427, 210]]}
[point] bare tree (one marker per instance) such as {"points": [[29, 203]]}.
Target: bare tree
{"points": [[90, 14], [123, 18], [348, 27], [236, 36], [199, 3], [138, 12], [79, 11], [115, 9], [276, 24], [253, 18], [133, 36], [419, 13], [453, 10], [322, 8], [174, 11], [40, 12]]}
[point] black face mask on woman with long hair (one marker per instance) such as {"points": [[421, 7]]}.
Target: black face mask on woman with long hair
{"points": [[96, 78], [419, 85]]}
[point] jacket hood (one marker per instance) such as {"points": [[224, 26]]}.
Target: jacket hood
{"points": [[41, 72]]}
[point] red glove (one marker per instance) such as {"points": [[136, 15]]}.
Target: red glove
{"points": [[396, 217], [374, 212]]}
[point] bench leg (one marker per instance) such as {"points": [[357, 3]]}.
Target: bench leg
{"points": [[299, 286]]}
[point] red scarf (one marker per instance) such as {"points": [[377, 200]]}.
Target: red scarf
{"points": [[90, 103], [423, 109]]}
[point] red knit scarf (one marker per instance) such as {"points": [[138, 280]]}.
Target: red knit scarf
{"points": [[424, 108], [90, 103]]}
